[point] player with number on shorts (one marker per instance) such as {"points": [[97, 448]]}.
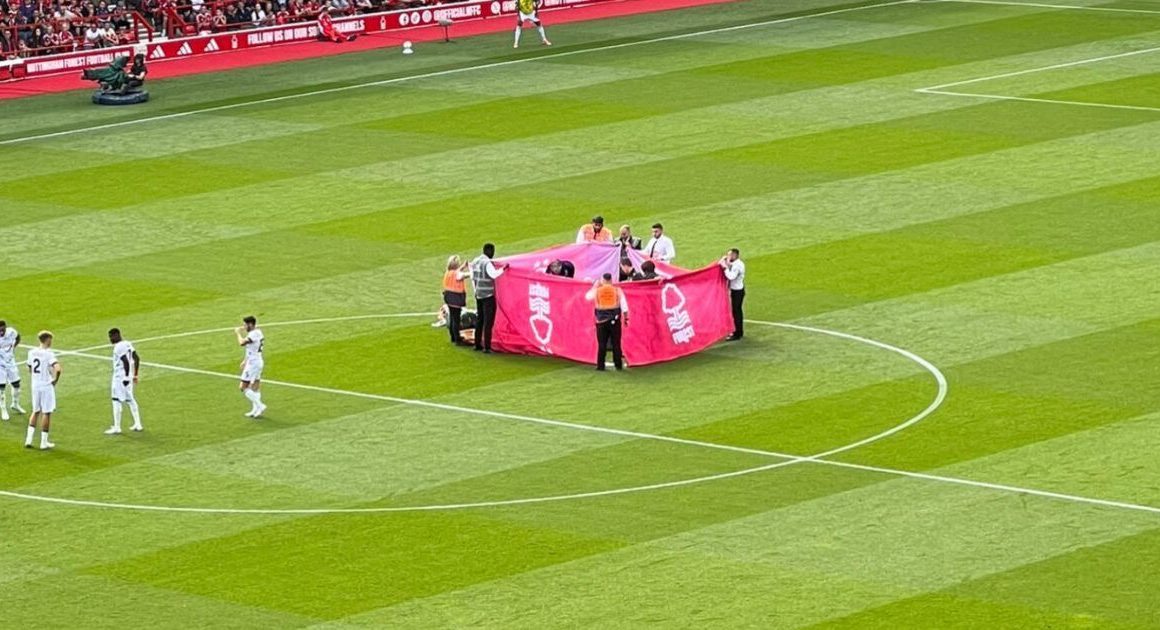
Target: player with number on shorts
{"points": [[251, 338], [9, 373], [530, 12], [45, 372]]}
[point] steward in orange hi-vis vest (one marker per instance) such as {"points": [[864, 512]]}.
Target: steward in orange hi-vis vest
{"points": [[611, 310], [594, 232], [453, 281], [455, 296], [607, 298]]}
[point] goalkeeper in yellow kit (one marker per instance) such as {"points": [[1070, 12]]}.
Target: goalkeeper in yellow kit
{"points": [[530, 12]]}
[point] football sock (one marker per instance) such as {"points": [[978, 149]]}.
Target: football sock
{"points": [[543, 35], [43, 439], [29, 435], [519, 31], [136, 411], [16, 395], [117, 415], [254, 397]]}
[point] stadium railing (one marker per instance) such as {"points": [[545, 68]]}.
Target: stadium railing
{"points": [[45, 37], [183, 19]]}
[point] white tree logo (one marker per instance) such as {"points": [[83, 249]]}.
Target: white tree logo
{"points": [[673, 304], [541, 320]]}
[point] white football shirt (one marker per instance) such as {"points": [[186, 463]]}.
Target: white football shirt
{"points": [[254, 348], [8, 344], [122, 361], [40, 362]]}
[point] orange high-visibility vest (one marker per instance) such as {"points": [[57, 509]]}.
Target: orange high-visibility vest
{"points": [[607, 298], [590, 234], [452, 283]]}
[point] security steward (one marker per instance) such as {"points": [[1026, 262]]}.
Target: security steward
{"points": [[611, 309], [455, 296], [594, 232]]}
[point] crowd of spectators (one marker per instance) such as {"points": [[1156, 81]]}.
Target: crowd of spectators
{"points": [[43, 27], [209, 16]]}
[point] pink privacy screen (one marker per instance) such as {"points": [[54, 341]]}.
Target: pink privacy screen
{"points": [[683, 313]]}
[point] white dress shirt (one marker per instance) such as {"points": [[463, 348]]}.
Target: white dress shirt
{"points": [[492, 269], [735, 273], [660, 248]]}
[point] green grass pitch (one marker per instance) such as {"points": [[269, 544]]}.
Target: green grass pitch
{"points": [[1012, 239]]}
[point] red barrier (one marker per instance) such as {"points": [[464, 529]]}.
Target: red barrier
{"points": [[289, 33]]}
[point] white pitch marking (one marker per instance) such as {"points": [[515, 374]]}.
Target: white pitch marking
{"points": [[440, 73], [1057, 66], [1052, 101], [788, 459], [1040, 5], [995, 486], [300, 322], [416, 508], [926, 365]]}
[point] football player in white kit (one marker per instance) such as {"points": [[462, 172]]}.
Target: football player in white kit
{"points": [[9, 374], [45, 372], [250, 337], [126, 367]]}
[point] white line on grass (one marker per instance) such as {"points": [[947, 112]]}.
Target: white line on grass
{"points": [[788, 460], [926, 365], [940, 379], [994, 486], [940, 89], [1055, 66], [1051, 101], [299, 322], [1040, 5], [440, 73], [415, 508]]}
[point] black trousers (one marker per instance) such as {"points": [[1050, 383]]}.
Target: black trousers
{"points": [[454, 313], [737, 298], [608, 335], [485, 311]]}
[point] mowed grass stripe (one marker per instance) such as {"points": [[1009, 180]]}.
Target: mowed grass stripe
{"points": [[309, 77], [298, 420], [845, 63], [824, 567], [634, 518], [970, 247]]}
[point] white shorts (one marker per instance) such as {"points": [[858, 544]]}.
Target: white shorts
{"points": [[44, 399], [123, 391], [252, 372], [9, 373], [534, 16]]}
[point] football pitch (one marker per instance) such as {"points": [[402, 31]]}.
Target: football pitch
{"points": [[945, 412]]}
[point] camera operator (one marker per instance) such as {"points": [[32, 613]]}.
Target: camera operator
{"points": [[137, 72]]}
